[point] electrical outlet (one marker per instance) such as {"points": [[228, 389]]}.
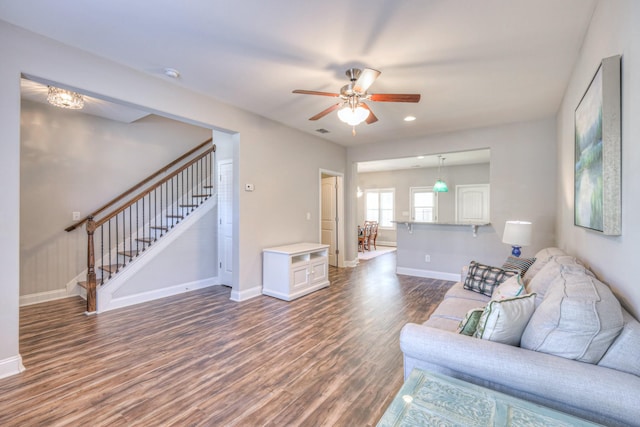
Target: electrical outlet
{"points": [[427, 258], [75, 216], [248, 187]]}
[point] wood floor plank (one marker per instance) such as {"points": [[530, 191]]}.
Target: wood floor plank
{"points": [[331, 358]]}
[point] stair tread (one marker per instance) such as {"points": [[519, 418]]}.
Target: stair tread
{"points": [[159, 227], [201, 195], [111, 268], [191, 205], [175, 216], [83, 284], [129, 254], [145, 239]]}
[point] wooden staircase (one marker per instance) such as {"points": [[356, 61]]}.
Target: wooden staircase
{"points": [[128, 225]]}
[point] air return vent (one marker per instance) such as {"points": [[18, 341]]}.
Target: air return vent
{"points": [[322, 130]]}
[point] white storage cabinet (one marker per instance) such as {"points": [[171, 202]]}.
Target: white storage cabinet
{"points": [[291, 271]]}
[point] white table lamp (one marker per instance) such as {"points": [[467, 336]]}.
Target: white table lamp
{"points": [[517, 234]]}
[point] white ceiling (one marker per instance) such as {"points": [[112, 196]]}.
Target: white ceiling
{"points": [[475, 63]]}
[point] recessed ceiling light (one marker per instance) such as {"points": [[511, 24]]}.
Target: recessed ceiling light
{"points": [[172, 72], [409, 118], [420, 157]]}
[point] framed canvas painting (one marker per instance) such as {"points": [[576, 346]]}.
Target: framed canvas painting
{"points": [[597, 194]]}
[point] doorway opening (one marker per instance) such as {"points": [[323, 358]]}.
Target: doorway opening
{"points": [[332, 214]]}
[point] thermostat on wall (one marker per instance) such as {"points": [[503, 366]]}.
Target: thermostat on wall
{"points": [[248, 187]]}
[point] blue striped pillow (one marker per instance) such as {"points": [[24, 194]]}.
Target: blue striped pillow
{"points": [[518, 264]]}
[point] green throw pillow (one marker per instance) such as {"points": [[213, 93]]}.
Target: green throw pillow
{"points": [[469, 324]]}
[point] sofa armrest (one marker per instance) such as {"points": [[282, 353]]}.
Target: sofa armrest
{"points": [[589, 388]]}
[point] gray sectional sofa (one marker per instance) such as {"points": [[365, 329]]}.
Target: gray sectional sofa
{"points": [[578, 353]]}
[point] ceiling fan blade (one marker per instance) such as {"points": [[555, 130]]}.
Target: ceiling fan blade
{"points": [[327, 111], [314, 92], [366, 79], [394, 97], [372, 117]]}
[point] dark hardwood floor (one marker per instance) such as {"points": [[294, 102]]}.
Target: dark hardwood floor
{"points": [[330, 358]]}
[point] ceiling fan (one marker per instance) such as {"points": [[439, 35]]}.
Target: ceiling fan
{"points": [[351, 108]]}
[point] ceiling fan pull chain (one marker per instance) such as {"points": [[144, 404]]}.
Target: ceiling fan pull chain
{"points": [[353, 131]]}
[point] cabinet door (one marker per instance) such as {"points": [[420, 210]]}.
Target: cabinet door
{"points": [[472, 203], [299, 276], [319, 270]]}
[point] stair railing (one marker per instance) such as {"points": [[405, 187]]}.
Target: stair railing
{"points": [[131, 225]]}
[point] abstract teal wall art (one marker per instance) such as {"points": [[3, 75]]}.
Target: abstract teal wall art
{"points": [[597, 152]]}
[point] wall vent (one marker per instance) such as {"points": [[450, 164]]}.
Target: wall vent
{"points": [[322, 130]]}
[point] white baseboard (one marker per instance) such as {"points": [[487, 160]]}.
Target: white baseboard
{"points": [[246, 294], [351, 263], [11, 366], [440, 275], [157, 294], [46, 296], [383, 243]]}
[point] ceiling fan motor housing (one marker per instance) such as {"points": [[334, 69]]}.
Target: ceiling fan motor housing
{"points": [[353, 73]]}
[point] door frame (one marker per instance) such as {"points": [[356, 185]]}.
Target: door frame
{"points": [[339, 212], [219, 225]]}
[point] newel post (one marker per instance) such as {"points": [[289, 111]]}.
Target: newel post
{"points": [[91, 272]]}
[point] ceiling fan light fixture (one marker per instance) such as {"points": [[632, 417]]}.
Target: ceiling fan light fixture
{"points": [[65, 98], [409, 118], [353, 116]]}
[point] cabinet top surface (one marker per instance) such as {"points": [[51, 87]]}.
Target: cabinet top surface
{"points": [[296, 248]]}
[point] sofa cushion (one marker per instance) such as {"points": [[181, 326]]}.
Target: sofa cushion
{"points": [[512, 287], [542, 258], [469, 324], [456, 308], [518, 264], [458, 291], [443, 323], [624, 353], [504, 320], [483, 278], [551, 271], [578, 319]]}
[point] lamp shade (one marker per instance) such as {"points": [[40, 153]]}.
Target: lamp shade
{"points": [[517, 233], [440, 187]]}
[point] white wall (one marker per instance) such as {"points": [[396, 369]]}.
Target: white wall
{"points": [[614, 30], [523, 183], [281, 162], [71, 161], [402, 180]]}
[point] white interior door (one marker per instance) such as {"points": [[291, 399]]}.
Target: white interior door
{"points": [[472, 203], [225, 222], [329, 215]]}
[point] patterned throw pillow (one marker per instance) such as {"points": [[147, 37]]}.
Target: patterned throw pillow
{"points": [[518, 264], [512, 287], [483, 278], [469, 324]]}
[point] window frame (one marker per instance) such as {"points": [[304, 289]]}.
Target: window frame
{"points": [[393, 205], [423, 189]]}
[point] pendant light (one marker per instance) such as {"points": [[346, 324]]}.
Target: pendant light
{"points": [[440, 186]]}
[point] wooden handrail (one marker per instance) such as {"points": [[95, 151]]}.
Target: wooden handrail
{"points": [[153, 186], [140, 184]]}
